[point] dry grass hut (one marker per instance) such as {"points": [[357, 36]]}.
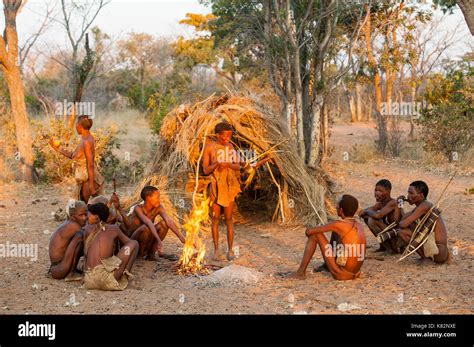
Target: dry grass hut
{"points": [[284, 188]]}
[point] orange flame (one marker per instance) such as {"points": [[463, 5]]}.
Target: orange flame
{"points": [[191, 260]]}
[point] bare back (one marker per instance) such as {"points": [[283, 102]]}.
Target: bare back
{"points": [[352, 237], [61, 238], [102, 247], [79, 152]]}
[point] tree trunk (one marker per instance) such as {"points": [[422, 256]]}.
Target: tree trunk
{"points": [[297, 82], [411, 136], [467, 8], [358, 100], [314, 139], [81, 72], [298, 90], [381, 118], [369, 108], [338, 105], [9, 60], [22, 123], [350, 99], [324, 133], [286, 112]]}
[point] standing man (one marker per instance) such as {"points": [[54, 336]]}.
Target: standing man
{"points": [[89, 181], [224, 185]]}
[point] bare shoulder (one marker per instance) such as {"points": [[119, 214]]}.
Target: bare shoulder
{"points": [[138, 208], [392, 203], [425, 206], [88, 229], [209, 145], [112, 228], [66, 230], [377, 206], [88, 141], [337, 225], [69, 226]]}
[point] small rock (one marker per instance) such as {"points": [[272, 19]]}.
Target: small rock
{"points": [[266, 235], [46, 232], [233, 274], [73, 304], [34, 286], [347, 307]]}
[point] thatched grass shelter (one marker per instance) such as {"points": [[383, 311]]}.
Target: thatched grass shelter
{"points": [[284, 187]]}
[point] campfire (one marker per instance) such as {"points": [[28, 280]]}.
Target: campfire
{"points": [[191, 260]]}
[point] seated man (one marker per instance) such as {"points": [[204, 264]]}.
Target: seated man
{"points": [[382, 214], [350, 253], [436, 247], [139, 224], [104, 270], [65, 245]]}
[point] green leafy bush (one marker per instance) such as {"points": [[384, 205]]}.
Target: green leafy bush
{"points": [[448, 125], [158, 107]]}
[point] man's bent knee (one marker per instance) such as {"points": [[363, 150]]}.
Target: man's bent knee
{"points": [[133, 244]]}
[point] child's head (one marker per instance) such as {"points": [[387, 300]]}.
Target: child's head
{"points": [[151, 195], [77, 212], [417, 191], [83, 123], [383, 189], [223, 131], [347, 206], [98, 212]]}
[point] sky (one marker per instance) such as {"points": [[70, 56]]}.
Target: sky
{"points": [[160, 18], [119, 17]]}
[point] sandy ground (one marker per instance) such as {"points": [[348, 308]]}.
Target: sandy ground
{"points": [[385, 287]]}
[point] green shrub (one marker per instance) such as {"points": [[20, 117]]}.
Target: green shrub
{"points": [[448, 125], [159, 105]]}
